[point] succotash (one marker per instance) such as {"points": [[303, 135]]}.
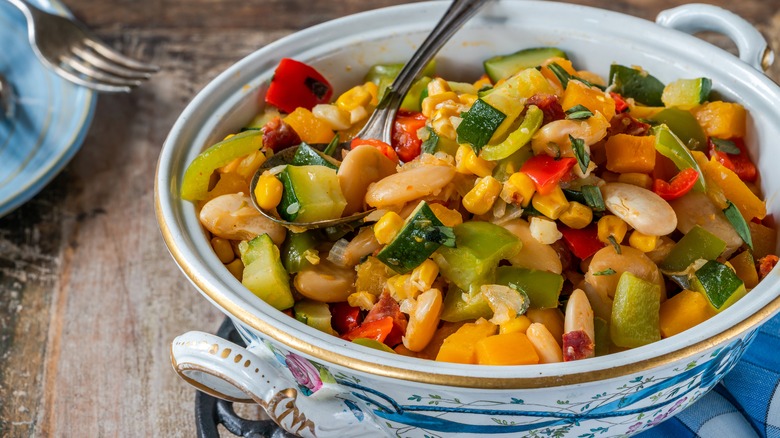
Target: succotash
{"points": [[538, 214]]}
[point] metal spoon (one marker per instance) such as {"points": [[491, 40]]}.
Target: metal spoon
{"points": [[7, 98], [380, 124]]}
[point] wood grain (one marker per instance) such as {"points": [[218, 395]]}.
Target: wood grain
{"points": [[89, 297]]}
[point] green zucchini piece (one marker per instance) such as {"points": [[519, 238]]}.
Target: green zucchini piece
{"points": [[314, 314], [504, 66], [542, 288], [635, 317], [311, 193], [295, 249], [508, 97], [685, 126], [264, 274], [638, 84], [479, 247], [687, 93], [518, 138], [420, 236], [306, 155], [479, 124], [697, 244], [383, 75], [719, 284]]}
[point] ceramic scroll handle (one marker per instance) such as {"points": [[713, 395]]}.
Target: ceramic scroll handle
{"points": [[753, 48], [292, 393]]}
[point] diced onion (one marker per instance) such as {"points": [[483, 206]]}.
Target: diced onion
{"points": [[338, 253]]}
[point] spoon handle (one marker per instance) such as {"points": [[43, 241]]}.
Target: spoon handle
{"points": [[380, 124]]}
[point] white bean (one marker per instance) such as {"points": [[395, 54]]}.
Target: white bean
{"points": [[590, 131], [361, 167], [607, 266], [579, 314], [409, 185], [533, 255], [642, 209], [326, 282], [233, 217], [544, 343], [696, 208]]}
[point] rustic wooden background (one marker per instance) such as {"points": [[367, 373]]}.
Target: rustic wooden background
{"points": [[89, 297]]}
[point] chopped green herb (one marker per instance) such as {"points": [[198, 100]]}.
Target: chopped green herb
{"points": [[578, 112], [478, 125], [430, 143], [578, 146], [593, 198], [739, 224], [331, 148], [565, 77], [726, 146], [608, 271], [615, 244]]}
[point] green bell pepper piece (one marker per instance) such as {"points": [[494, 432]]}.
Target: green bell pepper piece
{"points": [[511, 164], [479, 247], [195, 183], [518, 138], [697, 244], [459, 305], [601, 333], [264, 274], [685, 126], [542, 288], [295, 248], [373, 343], [635, 312], [719, 284], [508, 96], [668, 145]]}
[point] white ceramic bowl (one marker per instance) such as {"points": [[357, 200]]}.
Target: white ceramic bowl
{"points": [[315, 384]]}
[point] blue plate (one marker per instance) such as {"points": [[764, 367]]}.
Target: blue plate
{"points": [[51, 119]]}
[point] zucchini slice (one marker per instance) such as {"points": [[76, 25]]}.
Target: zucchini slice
{"points": [[687, 93], [306, 155], [637, 84], [311, 193], [503, 66], [264, 274]]}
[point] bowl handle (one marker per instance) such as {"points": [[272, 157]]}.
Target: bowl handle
{"points": [[692, 18], [228, 371]]}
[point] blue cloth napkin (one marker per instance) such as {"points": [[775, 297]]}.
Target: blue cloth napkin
{"points": [[746, 404]]}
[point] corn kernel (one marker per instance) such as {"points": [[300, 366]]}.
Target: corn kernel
{"points": [[576, 216], [519, 324], [480, 199], [611, 225], [364, 300], [468, 98], [236, 267], [268, 191], [423, 276], [447, 216], [223, 249], [638, 179], [482, 82], [642, 242], [467, 162], [400, 287], [552, 204], [359, 95], [520, 189], [441, 121], [387, 227], [431, 103], [438, 86]]}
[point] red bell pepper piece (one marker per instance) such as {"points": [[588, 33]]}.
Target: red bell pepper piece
{"points": [[620, 103], [383, 147], [584, 242], [739, 163], [678, 186], [295, 85], [405, 140], [376, 330], [344, 318], [546, 171]]}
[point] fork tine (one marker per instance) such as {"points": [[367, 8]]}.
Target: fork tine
{"points": [[98, 86], [91, 57], [89, 73], [118, 58]]}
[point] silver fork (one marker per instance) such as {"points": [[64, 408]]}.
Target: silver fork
{"points": [[74, 53]]}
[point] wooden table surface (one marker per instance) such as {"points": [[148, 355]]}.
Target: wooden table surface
{"points": [[89, 297]]}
